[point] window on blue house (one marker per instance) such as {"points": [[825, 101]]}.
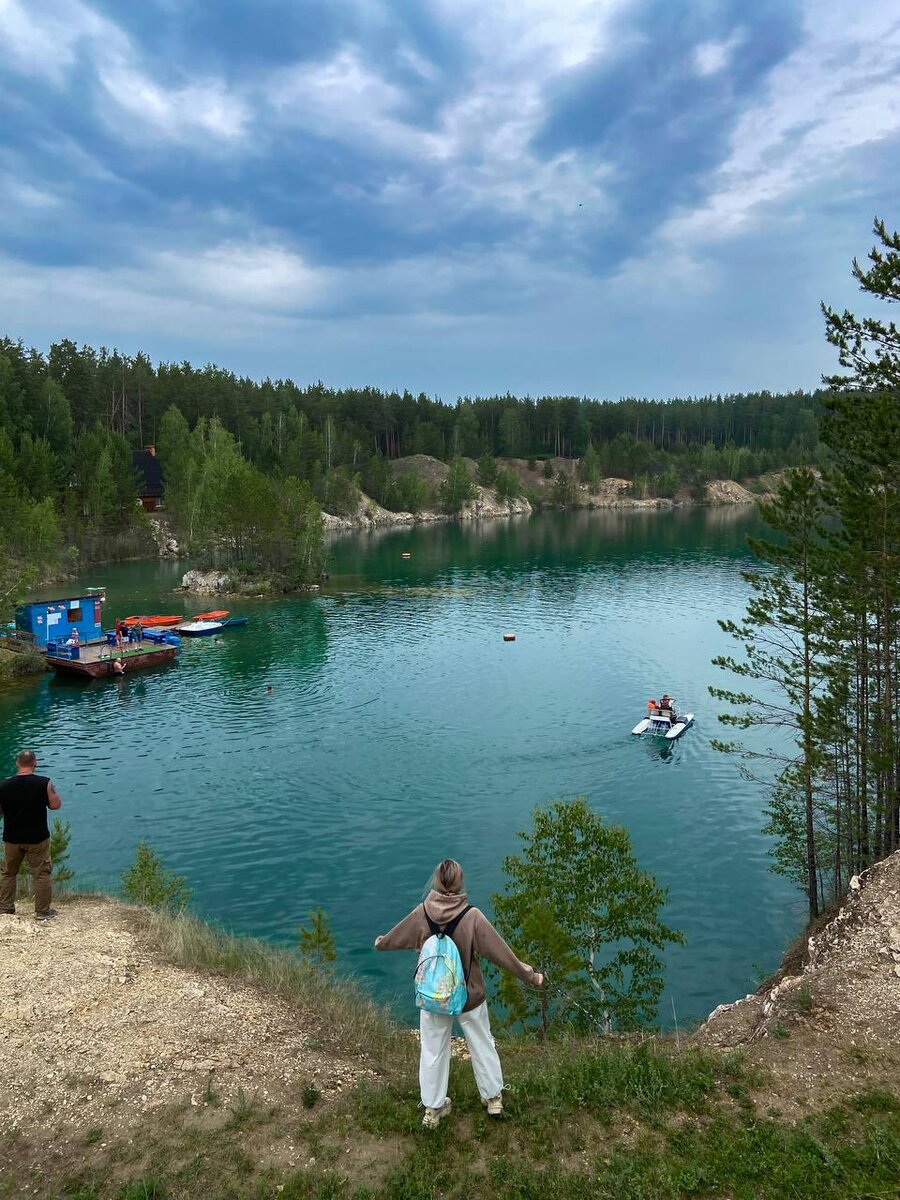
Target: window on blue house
{"points": [[74, 615]]}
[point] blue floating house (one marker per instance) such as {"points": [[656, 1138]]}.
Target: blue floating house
{"points": [[57, 620]]}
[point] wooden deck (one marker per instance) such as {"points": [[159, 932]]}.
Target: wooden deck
{"points": [[97, 659]]}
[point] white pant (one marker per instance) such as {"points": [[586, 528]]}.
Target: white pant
{"points": [[434, 1056]]}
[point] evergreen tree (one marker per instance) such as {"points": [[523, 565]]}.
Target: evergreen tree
{"points": [[457, 488], [782, 636]]}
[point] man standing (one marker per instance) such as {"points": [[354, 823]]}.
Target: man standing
{"points": [[24, 800]]}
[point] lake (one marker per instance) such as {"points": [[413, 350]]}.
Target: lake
{"points": [[402, 729]]}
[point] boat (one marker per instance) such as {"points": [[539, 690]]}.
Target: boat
{"points": [[218, 614], [234, 623], [157, 622], [665, 723], [200, 628]]}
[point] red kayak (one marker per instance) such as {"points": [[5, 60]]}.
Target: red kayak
{"points": [[218, 614], [151, 622]]}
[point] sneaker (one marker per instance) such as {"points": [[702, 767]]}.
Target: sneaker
{"points": [[432, 1117], [46, 916], [495, 1106]]}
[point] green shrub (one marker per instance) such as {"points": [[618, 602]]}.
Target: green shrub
{"points": [[507, 484], [457, 488], [410, 493], [487, 470], [317, 944], [60, 836], [148, 882]]}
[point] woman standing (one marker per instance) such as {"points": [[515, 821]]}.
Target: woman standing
{"points": [[475, 937]]}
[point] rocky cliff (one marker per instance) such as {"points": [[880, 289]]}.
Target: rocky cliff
{"points": [[831, 1015]]}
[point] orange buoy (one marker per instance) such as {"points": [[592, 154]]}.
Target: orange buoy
{"points": [[509, 637]]}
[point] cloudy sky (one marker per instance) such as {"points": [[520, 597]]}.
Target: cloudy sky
{"points": [[602, 197]]}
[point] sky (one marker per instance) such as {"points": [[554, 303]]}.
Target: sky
{"points": [[460, 197]]}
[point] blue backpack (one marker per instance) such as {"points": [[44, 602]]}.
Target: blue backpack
{"points": [[440, 979]]}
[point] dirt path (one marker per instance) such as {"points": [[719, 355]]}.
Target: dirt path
{"points": [[96, 1030]]}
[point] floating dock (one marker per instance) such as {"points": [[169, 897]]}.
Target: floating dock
{"points": [[97, 659]]}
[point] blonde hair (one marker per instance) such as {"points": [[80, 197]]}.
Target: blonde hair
{"points": [[448, 876]]}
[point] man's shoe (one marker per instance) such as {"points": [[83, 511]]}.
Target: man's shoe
{"points": [[495, 1106], [46, 916], [432, 1117]]}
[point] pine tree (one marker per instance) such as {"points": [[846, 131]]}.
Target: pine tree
{"points": [[782, 638]]}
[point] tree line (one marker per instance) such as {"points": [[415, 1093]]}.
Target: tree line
{"points": [[821, 634], [70, 419]]}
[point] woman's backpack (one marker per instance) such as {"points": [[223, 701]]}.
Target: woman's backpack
{"points": [[440, 979]]}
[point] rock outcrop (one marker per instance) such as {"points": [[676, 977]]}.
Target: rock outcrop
{"points": [[838, 1015], [726, 491], [207, 583], [165, 539], [851, 969], [370, 515]]}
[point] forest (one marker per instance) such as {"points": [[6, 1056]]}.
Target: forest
{"points": [[244, 459]]}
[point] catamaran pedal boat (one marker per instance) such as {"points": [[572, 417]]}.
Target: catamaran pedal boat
{"points": [[664, 723]]}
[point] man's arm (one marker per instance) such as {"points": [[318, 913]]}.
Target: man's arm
{"points": [[54, 800]]}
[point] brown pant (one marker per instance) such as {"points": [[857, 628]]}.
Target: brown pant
{"points": [[38, 856]]}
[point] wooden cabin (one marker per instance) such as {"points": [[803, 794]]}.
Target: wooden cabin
{"points": [[151, 486]]}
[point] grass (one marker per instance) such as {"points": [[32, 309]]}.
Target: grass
{"points": [[344, 1015], [614, 1123], [605, 1118]]}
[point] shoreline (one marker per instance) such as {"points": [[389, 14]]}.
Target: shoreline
{"points": [[720, 493]]}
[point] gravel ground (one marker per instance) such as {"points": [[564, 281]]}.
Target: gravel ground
{"points": [[96, 1029]]}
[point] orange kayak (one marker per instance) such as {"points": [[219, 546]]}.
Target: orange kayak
{"points": [[151, 622], [218, 614]]}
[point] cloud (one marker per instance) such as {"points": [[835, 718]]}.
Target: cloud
{"points": [[47, 41], [177, 114], [712, 57], [43, 39], [345, 99], [226, 292], [267, 277], [526, 174], [834, 95]]}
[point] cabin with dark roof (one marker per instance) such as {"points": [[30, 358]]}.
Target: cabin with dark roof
{"points": [[151, 485]]}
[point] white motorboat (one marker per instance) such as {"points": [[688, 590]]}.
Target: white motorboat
{"points": [[200, 628], [665, 723]]}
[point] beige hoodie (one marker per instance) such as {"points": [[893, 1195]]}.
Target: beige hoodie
{"points": [[474, 936]]}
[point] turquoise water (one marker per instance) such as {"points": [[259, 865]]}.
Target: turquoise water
{"points": [[402, 729]]}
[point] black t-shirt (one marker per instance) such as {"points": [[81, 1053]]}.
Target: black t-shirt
{"points": [[23, 799]]}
